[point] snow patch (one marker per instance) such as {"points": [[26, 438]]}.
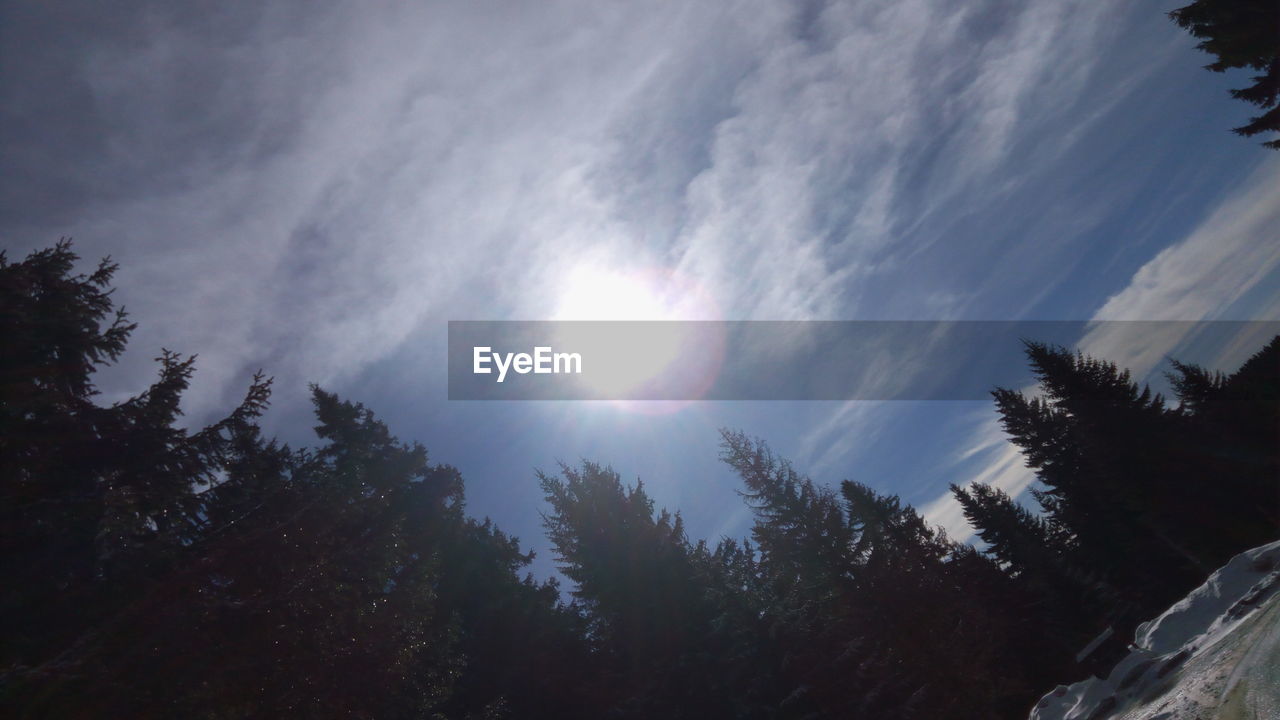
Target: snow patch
{"points": [[1212, 654]]}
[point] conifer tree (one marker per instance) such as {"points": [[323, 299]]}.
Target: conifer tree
{"points": [[1231, 425], [876, 614], [1035, 553], [94, 501], [1140, 499], [637, 580], [1242, 34], [1099, 446], [1021, 541], [152, 571]]}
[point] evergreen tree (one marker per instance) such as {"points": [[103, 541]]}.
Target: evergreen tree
{"points": [[1018, 539], [636, 577], [1099, 446], [150, 571], [1242, 34], [526, 652], [740, 642], [876, 614], [1139, 500], [94, 501], [1231, 425], [1047, 591]]}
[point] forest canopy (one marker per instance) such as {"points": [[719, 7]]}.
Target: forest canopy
{"points": [[150, 570]]}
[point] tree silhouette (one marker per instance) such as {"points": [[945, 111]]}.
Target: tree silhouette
{"points": [[875, 613], [1242, 34], [152, 571], [93, 500], [640, 584]]}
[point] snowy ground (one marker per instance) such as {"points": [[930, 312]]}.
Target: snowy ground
{"points": [[1215, 655]]}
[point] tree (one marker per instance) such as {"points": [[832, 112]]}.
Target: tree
{"points": [[1035, 552], [93, 500], [1232, 422], [639, 584], [1100, 446], [150, 571], [1140, 500], [1242, 34], [875, 613]]}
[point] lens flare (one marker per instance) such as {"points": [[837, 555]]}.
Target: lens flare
{"points": [[681, 355]]}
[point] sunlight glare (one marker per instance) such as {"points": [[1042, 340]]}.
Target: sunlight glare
{"points": [[595, 293], [599, 294]]}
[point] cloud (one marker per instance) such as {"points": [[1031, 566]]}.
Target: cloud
{"points": [[1235, 249], [315, 188], [803, 200], [1002, 466], [831, 441], [309, 188], [306, 187]]}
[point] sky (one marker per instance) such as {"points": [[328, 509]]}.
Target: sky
{"points": [[317, 188]]}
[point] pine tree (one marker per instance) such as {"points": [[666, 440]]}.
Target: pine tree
{"points": [[1099, 445], [96, 501], [636, 578], [1140, 499], [1231, 426], [875, 613], [1241, 34], [801, 530], [1035, 552], [151, 571], [1021, 541]]}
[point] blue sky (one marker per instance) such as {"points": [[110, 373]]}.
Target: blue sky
{"points": [[317, 188]]}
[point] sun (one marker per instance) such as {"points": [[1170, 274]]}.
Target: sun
{"points": [[675, 354], [594, 293]]}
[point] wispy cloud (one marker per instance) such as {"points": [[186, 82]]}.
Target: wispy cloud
{"points": [[314, 188], [1005, 469], [304, 187], [1234, 250]]}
